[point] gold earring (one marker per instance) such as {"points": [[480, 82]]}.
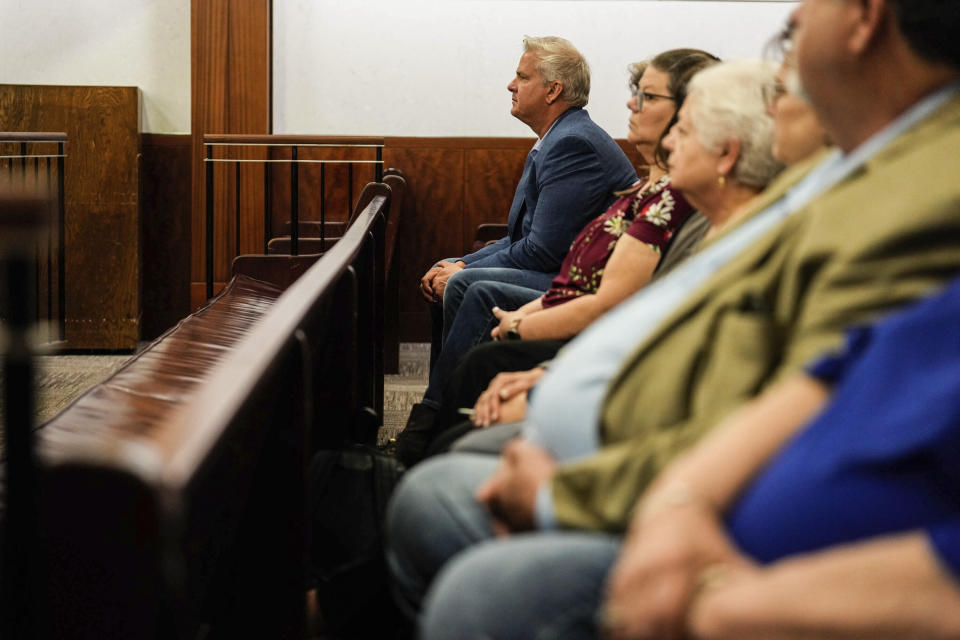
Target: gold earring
{"points": [[722, 181]]}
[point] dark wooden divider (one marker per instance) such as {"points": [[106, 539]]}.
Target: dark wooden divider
{"points": [[101, 203], [272, 182], [38, 158], [172, 495], [306, 202]]}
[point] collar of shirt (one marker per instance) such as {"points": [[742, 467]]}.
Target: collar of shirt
{"points": [[539, 142], [837, 166]]}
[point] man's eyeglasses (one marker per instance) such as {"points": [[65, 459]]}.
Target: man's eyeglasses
{"points": [[646, 95]]}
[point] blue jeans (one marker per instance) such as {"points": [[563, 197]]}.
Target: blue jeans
{"points": [[431, 517], [534, 585], [457, 285], [438, 533], [471, 325]]}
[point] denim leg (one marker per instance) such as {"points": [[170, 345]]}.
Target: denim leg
{"points": [[459, 282], [436, 331], [471, 326], [436, 323], [529, 586], [431, 517]]}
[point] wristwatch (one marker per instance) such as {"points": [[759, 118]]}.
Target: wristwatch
{"points": [[513, 333]]}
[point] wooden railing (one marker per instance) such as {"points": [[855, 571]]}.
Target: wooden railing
{"points": [[38, 159], [273, 156]]}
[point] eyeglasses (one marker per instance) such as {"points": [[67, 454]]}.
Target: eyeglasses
{"points": [[782, 44], [646, 95], [772, 93]]}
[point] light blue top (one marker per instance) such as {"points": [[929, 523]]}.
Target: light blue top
{"points": [[585, 367]]}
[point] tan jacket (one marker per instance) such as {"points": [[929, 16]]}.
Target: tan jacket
{"points": [[884, 236]]}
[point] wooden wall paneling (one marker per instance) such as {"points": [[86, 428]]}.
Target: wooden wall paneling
{"points": [[231, 93], [340, 193], [490, 181], [223, 228], [251, 235], [336, 194], [249, 111], [279, 173], [631, 152], [101, 203], [208, 112], [249, 66], [431, 231], [165, 232], [454, 184], [237, 229]]}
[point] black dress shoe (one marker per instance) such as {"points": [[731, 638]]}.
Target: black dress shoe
{"points": [[411, 443]]}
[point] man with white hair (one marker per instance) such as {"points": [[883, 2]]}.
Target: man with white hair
{"points": [[872, 226]]}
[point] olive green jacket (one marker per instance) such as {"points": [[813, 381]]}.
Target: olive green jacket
{"points": [[886, 235]]}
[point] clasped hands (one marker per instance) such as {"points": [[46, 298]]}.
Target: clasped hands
{"points": [[505, 398], [669, 566], [510, 494], [670, 563], [434, 281]]}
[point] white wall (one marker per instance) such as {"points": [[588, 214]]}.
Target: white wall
{"points": [[143, 43], [372, 67], [440, 67]]}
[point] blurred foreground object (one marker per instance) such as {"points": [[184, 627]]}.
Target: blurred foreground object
{"points": [[25, 216]]}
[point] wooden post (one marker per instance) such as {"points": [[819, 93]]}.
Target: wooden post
{"points": [[24, 215]]}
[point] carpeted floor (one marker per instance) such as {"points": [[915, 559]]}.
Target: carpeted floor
{"points": [[61, 379], [401, 391]]}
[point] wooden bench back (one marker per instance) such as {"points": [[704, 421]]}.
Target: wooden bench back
{"points": [[173, 495]]}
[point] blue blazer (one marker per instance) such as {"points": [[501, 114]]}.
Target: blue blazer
{"points": [[567, 183]]}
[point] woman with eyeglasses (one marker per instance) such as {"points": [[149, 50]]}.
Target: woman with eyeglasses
{"points": [[719, 158], [612, 257]]}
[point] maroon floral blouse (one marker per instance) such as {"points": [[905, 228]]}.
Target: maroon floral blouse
{"points": [[649, 215]]}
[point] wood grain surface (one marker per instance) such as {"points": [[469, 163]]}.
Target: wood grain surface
{"points": [[101, 204]]}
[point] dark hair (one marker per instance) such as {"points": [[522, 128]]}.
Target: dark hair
{"points": [[931, 28], [680, 65]]}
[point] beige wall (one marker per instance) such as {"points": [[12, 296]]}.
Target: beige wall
{"points": [[440, 67], [143, 43]]}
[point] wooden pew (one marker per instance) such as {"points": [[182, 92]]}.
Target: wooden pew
{"points": [[312, 241], [308, 181], [172, 496]]}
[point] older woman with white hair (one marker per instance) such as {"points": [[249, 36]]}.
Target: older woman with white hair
{"points": [[720, 152]]}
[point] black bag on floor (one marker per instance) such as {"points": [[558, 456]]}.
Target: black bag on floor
{"points": [[348, 493]]}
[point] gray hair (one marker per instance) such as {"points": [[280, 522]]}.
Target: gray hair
{"points": [[728, 103], [636, 69], [559, 61]]}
